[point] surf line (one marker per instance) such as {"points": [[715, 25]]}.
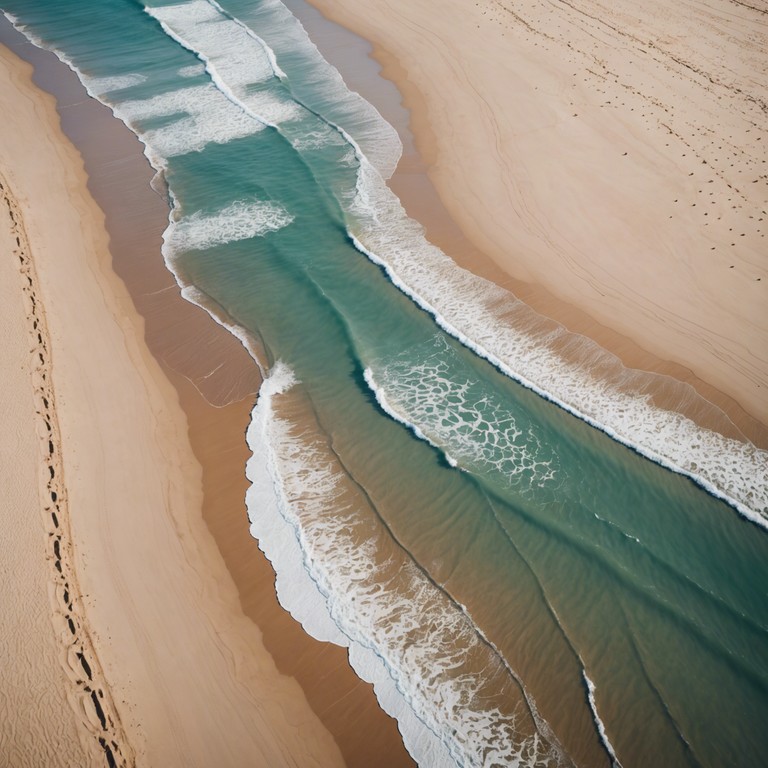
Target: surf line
{"points": [[598, 722]]}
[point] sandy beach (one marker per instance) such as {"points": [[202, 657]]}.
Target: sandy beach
{"points": [[607, 169], [34, 682], [607, 166], [154, 654]]}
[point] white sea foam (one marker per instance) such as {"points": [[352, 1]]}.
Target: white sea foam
{"points": [[322, 136], [307, 125], [200, 20], [598, 722], [497, 326], [420, 649], [105, 85], [390, 410], [474, 427], [238, 221], [277, 538], [319, 86], [250, 33], [275, 528], [235, 58], [193, 70], [203, 117]]}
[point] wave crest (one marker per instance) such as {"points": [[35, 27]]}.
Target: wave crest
{"points": [[238, 221]]}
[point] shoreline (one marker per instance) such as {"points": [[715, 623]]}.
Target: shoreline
{"points": [[418, 184], [220, 399], [209, 401], [218, 411]]}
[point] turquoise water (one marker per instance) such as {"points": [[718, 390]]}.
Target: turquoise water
{"points": [[522, 588]]}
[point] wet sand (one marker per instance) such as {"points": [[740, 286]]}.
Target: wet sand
{"points": [[181, 708], [520, 134]]}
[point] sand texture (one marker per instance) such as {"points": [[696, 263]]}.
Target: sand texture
{"points": [[148, 642], [612, 153], [37, 725]]}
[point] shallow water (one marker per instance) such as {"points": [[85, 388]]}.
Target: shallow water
{"points": [[522, 588]]}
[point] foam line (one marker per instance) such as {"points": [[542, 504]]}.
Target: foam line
{"points": [[598, 722], [729, 489], [193, 70], [280, 538], [246, 68], [324, 91], [238, 221], [386, 406], [105, 85], [249, 32], [428, 661], [438, 397], [231, 64]]}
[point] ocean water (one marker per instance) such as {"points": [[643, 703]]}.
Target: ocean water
{"points": [[466, 496]]}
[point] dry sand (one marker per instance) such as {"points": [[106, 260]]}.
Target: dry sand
{"points": [[611, 155], [37, 725], [148, 641]]}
